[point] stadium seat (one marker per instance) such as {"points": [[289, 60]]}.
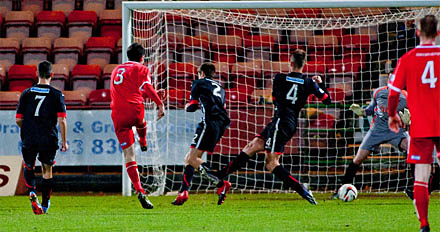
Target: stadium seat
{"points": [[245, 82], [119, 51], [362, 12], [100, 97], [372, 31], [94, 5], [247, 69], [18, 24], [118, 4], [177, 97], [35, 50], [21, 77], [173, 42], [5, 6], [99, 50], [305, 13], [239, 31], [75, 98], [317, 67], [273, 12], [32, 5], [111, 24], [107, 73], [285, 51], [222, 70], [275, 34], [181, 75], [9, 98], [258, 47], [9, 50], [322, 47], [81, 24], [195, 49], [226, 47], [355, 47], [323, 120], [238, 96], [263, 95], [65, 6], [67, 51], [300, 36], [270, 69], [50, 24], [87, 76], [335, 13], [60, 79], [209, 29], [2, 77], [177, 24]]}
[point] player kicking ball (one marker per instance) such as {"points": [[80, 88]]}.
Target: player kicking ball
{"points": [[290, 92], [211, 97], [39, 109], [379, 132], [130, 85], [418, 71]]}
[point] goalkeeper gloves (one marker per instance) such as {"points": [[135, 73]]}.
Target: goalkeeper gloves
{"points": [[405, 116], [357, 109]]}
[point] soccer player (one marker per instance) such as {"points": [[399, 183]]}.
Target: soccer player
{"points": [[39, 109], [417, 71], [290, 92], [130, 85], [211, 97], [379, 132]]}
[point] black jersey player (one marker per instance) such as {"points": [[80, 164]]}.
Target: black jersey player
{"points": [[39, 109], [290, 93], [211, 97]]}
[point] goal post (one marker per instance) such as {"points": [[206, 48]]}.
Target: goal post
{"points": [[353, 45]]}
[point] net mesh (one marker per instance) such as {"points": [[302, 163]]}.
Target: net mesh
{"points": [[353, 50]]}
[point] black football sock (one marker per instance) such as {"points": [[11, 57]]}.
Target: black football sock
{"points": [[350, 173], [210, 174], [29, 177], [233, 166], [283, 174], [434, 179], [46, 190], [187, 178]]}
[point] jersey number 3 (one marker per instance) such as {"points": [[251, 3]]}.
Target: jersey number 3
{"points": [[291, 95], [119, 76], [432, 79]]}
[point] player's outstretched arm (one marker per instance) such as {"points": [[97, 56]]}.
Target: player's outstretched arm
{"points": [[192, 106], [63, 129], [357, 109]]}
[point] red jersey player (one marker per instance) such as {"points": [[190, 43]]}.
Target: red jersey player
{"points": [[418, 71], [130, 85]]}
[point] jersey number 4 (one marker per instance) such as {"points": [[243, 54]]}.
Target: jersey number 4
{"points": [[119, 76], [291, 95], [40, 101], [432, 79]]}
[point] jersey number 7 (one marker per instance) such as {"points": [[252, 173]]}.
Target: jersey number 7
{"points": [[40, 101]]}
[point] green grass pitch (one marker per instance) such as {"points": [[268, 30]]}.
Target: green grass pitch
{"points": [[240, 212]]}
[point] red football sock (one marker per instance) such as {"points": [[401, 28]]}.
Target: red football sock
{"points": [[142, 132], [421, 201], [132, 171]]}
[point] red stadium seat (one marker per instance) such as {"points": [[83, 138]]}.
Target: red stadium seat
{"points": [[107, 74], [305, 13], [9, 50], [75, 97], [99, 50], [86, 76], [323, 121], [111, 24], [238, 96], [81, 24], [300, 36], [226, 47], [9, 98], [178, 97], [67, 51], [21, 77], [94, 5], [173, 42], [335, 13], [222, 70], [178, 24], [337, 95], [314, 67], [247, 69], [182, 70], [258, 47], [119, 50], [322, 47], [35, 50], [182, 84], [65, 6], [195, 49], [50, 24], [60, 77], [209, 29], [270, 69], [32, 5], [239, 31], [245, 82], [18, 24], [285, 51], [100, 97]]}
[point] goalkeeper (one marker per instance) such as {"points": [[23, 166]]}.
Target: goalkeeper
{"points": [[379, 132]]}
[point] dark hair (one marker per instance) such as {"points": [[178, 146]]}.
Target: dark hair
{"points": [[208, 69], [44, 69], [298, 58], [135, 52], [428, 26]]}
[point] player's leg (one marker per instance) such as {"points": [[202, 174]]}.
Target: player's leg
{"points": [[142, 133], [29, 158], [47, 160], [274, 166], [354, 166]]}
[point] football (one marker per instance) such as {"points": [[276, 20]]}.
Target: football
{"points": [[347, 192]]}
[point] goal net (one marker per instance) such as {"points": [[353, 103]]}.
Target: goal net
{"points": [[352, 49]]}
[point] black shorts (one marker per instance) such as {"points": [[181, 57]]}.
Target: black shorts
{"points": [[276, 134], [45, 157], [208, 133]]}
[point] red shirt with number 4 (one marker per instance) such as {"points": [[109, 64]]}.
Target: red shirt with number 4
{"points": [[131, 84], [419, 71]]}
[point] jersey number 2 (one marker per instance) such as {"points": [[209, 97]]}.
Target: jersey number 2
{"points": [[432, 79], [40, 101], [291, 95], [119, 76], [217, 90]]}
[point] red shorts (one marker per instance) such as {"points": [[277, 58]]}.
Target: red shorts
{"points": [[421, 149], [124, 120]]}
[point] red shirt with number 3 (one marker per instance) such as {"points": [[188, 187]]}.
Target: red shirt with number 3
{"points": [[419, 72]]}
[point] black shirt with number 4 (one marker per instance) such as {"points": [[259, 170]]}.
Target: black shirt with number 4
{"points": [[212, 99], [39, 107], [290, 93]]}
